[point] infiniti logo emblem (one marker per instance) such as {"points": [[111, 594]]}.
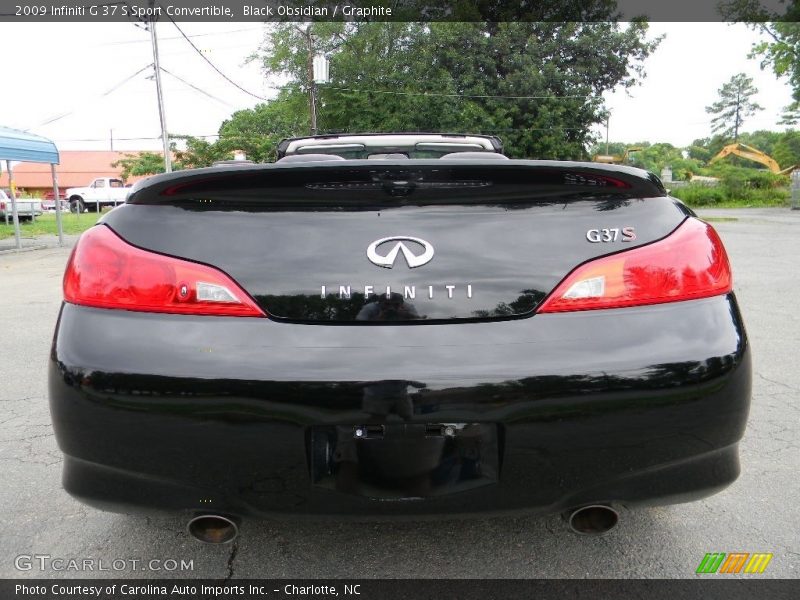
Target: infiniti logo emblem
{"points": [[388, 260]]}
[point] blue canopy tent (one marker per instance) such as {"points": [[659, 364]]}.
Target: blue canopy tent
{"points": [[21, 146]]}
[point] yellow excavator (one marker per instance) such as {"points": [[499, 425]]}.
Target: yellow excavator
{"points": [[750, 153], [612, 159]]}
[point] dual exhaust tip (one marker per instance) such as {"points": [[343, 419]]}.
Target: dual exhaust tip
{"points": [[213, 529], [594, 519]]}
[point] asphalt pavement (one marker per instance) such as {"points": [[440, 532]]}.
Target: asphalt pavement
{"points": [[760, 512]]}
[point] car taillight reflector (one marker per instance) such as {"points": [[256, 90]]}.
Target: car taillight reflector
{"points": [[689, 263], [105, 271]]}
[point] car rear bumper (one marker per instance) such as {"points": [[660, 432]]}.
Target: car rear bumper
{"points": [[253, 417]]}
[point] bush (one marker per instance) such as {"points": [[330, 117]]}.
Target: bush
{"points": [[701, 195], [738, 180], [726, 195]]}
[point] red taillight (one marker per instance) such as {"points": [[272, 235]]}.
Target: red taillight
{"points": [[690, 263], [106, 272]]}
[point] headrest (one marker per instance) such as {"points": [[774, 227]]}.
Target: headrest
{"points": [[309, 158], [475, 156]]}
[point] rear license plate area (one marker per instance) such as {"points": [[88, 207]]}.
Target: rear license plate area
{"points": [[403, 460]]}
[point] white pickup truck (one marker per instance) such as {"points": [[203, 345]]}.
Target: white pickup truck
{"points": [[102, 192]]}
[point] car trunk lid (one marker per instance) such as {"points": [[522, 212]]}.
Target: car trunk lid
{"points": [[410, 241]]}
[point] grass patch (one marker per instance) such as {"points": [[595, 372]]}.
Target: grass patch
{"points": [[767, 203], [719, 219], [46, 225]]}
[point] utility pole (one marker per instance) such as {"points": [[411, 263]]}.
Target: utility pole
{"points": [[157, 67], [312, 85], [608, 118]]}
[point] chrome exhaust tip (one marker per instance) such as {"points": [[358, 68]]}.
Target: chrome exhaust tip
{"points": [[213, 529], [594, 519]]}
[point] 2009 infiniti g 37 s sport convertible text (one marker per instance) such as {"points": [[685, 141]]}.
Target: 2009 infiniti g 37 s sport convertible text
{"points": [[381, 327]]}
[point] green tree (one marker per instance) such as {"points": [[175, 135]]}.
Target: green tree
{"points": [[654, 157], [142, 163], [257, 131], [538, 85], [791, 114], [733, 106], [762, 139], [782, 52], [613, 148], [198, 153], [699, 151], [781, 48], [787, 150], [710, 146], [780, 145]]}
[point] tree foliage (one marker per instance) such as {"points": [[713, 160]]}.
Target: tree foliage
{"points": [[783, 146], [258, 130], [780, 49], [654, 157], [142, 163], [537, 85], [787, 150], [733, 106], [782, 52]]}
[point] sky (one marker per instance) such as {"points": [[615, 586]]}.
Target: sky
{"points": [[67, 70]]}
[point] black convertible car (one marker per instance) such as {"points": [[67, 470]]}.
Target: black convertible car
{"points": [[377, 326]]}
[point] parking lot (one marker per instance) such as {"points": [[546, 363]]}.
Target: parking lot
{"points": [[759, 513]]}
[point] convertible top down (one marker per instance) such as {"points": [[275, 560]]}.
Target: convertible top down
{"points": [[389, 335]]}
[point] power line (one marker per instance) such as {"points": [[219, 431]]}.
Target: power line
{"points": [[116, 139], [177, 37], [212, 65], [103, 95], [354, 90], [194, 87]]}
